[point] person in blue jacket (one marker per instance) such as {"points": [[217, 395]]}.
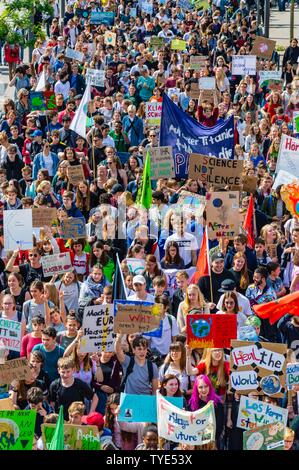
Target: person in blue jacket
{"points": [[69, 206], [240, 244], [133, 126], [45, 159]]}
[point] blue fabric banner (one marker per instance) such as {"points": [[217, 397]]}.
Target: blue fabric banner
{"points": [[186, 135], [142, 408]]}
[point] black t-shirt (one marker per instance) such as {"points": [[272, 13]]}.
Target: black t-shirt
{"points": [[31, 274], [217, 279], [65, 396]]}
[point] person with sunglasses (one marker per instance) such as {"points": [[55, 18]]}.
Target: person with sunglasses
{"points": [[31, 270], [45, 159]]}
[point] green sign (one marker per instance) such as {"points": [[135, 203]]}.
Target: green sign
{"points": [[296, 121], [17, 429], [156, 42], [268, 437], [178, 45]]}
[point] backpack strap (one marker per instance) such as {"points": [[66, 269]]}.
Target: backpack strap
{"points": [[150, 371], [128, 372]]}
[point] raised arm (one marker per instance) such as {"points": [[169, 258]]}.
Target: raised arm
{"points": [[119, 350]]}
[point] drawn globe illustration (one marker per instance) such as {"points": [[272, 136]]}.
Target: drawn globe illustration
{"points": [[270, 385], [200, 328]]}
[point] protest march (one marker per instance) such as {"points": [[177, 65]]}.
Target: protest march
{"points": [[149, 211]]}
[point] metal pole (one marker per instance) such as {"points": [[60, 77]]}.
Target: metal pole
{"points": [[62, 8], [292, 18], [258, 7], [267, 18]]}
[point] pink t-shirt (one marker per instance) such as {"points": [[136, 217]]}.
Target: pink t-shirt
{"points": [[28, 343], [295, 273]]}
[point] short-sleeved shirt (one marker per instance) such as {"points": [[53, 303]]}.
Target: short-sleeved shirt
{"points": [[65, 396], [187, 243], [31, 274], [137, 382], [50, 360]]}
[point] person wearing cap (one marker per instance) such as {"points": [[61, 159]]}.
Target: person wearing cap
{"points": [[96, 419], [139, 286], [228, 285], [218, 275]]}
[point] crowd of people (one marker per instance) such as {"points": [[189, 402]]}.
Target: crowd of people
{"points": [[36, 150]]}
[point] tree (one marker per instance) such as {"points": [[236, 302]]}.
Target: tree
{"points": [[22, 21]]}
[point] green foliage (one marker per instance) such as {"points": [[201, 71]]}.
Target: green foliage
{"points": [[19, 16]]}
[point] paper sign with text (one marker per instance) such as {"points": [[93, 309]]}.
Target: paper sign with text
{"points": [[136, 266], [162, 164], [259, 367], [75, 55], [110, 38], [73, 228], [223, 218], [17, 227], [288, 157], [95, 77], [10, 334], [197, 62], [98, 321], [17, 429], [186, 427], [254, 413], [58, 263], [178, 45], [210, 331], [292, 377], [136, 317], [243, 65], [153, 111]]}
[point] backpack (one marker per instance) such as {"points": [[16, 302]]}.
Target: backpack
{"points": [[130, 370]]}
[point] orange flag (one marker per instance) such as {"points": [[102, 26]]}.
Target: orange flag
{"points": [[203, 261], [276, 309]]}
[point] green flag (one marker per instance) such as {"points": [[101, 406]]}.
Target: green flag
{"points": [[57, 442], [144, 194]]}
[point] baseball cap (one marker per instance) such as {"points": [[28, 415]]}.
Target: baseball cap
{"points": [[93, 419], [227, 285], [36, 133], [116, 189], [139, 279], [217, 256], [253, 321]]}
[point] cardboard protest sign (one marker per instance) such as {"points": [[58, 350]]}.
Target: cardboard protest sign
{"points": [[136, 266], [156, 42], [268, 437], [178, 45], [153, 111], [197, 62], [17, 429], [10, 334], [6, 404], [288, 157], [73, 227], [44, 216], [162, 165], [75, 174], [263, 47], [15, 369], [76, 437], [17, 226], [196, 427], [74, 55], [223, 218], [194, 91], [210, 331], [58, 263], [249, 183], [207, 95], [258, 366], [207, 83], [216, 172], [254, 413], [142, 408], [243, 65], [98, 321], [95, 77], [136, 317], [292, 377], [110, 38]]}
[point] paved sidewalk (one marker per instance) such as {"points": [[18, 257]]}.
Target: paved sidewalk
{"points": [[280, 26]]}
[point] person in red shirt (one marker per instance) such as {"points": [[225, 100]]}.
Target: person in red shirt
{"points": [[207, 114], [31, 339], [12, 58], [68, 111], [273, 103], [214, 366]]}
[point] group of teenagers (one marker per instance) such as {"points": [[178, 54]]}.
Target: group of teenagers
{"points": [[36, 150]]}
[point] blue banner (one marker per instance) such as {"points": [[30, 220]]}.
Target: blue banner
{"points": [[102, 17], [186, 135], [142, 408]]}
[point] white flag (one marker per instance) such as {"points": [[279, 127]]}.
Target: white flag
{"points": [[41, 85], [78, 123]]}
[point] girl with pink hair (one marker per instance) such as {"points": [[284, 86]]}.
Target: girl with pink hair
{"points": [[203, 392]]}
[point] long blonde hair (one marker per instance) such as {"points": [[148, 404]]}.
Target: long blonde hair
{"points": [[200, 299], [208, 360], [53, 293]]}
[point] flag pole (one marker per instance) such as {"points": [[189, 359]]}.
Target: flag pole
{"points": [[210, 271], [93, 156]]}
